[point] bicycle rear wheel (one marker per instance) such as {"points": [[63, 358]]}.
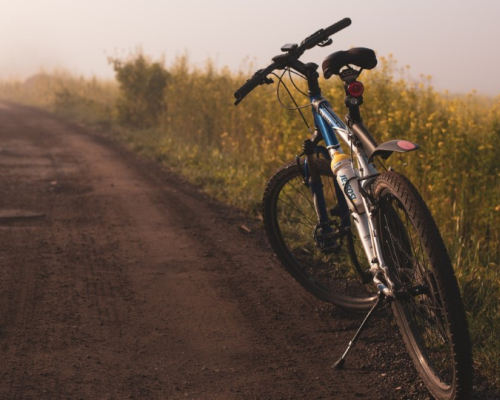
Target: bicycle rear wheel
{"points": [[331, 273], [429, 310]]}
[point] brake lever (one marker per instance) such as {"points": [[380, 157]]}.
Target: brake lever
{"points": [[325, 43], [267, 81]]}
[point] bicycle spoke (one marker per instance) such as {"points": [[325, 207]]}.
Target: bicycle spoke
{"points": [[327, 267]]}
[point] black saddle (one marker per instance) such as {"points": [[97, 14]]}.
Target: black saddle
{"points": [[358, 56]]}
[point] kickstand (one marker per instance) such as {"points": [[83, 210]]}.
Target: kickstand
{"points": [[340, 363]]}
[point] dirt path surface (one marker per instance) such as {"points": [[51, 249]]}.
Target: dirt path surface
{"points": [[120, 281]]}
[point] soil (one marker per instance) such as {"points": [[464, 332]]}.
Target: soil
{"points": [[119, 280]]}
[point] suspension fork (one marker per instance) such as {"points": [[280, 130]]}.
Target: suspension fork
{"points": [[316, 185], [378, 267], [313, 180]]}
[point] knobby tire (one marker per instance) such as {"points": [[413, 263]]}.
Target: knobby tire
{"points": [[429, 310]]}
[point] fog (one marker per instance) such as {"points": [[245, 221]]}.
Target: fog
{"points": [[453, 41]]}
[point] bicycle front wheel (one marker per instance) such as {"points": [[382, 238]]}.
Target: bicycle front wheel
{"points": [[428, 309], [330, 272]]}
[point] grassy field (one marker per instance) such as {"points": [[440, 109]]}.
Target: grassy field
{"points": [[232, 151]]}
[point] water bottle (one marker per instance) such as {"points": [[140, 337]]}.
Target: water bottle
{"points": [[344, 171]]}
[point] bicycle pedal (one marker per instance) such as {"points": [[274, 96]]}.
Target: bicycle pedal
{"points": [[327, 243]]}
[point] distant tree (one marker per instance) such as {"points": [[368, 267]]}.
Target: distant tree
{"points": [[142, 85]]}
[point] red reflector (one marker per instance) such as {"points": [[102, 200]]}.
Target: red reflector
{"points": [[356, 89]]}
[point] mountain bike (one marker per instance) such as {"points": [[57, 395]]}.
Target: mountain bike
{"points": [[357, 237]]}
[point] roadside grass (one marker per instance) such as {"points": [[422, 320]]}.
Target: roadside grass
{"points": [[232, 151]]}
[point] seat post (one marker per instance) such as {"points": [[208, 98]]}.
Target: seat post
{"points": [[353, 115]]}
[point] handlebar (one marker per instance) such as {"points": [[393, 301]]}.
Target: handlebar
{"points": [[259, 78], [322, 35], [290, 58]]}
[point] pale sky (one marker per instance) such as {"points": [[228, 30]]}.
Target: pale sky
{"points": [[456, 42]]}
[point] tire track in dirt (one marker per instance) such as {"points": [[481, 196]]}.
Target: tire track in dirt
{"points": [[132, 284]]}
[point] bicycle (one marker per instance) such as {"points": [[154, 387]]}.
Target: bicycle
{"points": [[395, 255]]}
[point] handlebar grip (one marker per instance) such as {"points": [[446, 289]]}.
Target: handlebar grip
{"points": [[338, 26], [247, 87], [322, 35]]}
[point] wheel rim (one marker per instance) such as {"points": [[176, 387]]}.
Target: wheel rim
{"points": [[420, 306], [332, 273]]}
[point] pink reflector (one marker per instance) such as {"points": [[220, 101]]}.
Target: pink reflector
{"points": [[405, 145]]}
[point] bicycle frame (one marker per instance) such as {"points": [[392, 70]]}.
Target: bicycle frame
{"points": [[331, 128]]}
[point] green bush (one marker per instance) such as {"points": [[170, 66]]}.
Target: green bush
{"points": [[142, 91]]}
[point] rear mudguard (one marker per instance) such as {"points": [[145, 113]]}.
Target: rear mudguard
{"points": [[385, 149]]}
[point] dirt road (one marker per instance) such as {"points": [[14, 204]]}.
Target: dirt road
{"points": [[119, 280]]}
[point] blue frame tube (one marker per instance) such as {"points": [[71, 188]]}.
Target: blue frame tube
{"points": [[326, 130]]}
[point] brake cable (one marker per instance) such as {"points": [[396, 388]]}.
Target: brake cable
{"points": [[297, 107]]}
